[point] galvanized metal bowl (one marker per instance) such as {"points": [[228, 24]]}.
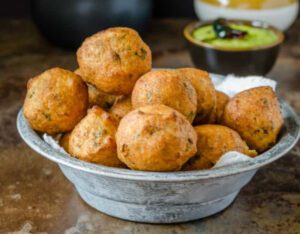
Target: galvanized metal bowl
{"points": [[161, 197]]}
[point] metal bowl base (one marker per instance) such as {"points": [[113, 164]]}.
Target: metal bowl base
{"points": [[156, 213]]}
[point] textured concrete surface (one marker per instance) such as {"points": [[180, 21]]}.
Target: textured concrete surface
{"points": [[35, 197]]}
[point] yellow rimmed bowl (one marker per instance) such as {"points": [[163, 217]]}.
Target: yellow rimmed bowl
{"points": [[279, 13]]}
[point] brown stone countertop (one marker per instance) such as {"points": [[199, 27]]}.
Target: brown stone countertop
{"points": [[35, 197]]}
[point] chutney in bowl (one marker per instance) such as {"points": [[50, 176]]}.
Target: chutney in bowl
{"points": [[254, 52]]}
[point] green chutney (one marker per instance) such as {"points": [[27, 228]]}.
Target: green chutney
{"points": [[255, 38]]}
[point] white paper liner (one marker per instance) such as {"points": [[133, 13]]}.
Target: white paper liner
{"points": [[231, 158], [54, 142], [231, 85]]}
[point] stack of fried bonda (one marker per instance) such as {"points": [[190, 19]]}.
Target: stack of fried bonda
{"points": [[115, 111]]}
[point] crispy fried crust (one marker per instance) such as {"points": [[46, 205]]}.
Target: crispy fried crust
{"points": [[56, 101], [93, 139], [222, 100], [112, 60], [64, 141], [97, 97], [213, 142], [255, 114], [168, 88], [206, 94], [216, 114], [121, 107], [155, 138]]}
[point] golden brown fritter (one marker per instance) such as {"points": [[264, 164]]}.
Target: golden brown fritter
{"points": [[198, 163], [217, 113], [56, 101], [222, 100], [93, 139], [97, 97], [121, 107], [255, 114], [155, 138], [168, 88], [112, 60], [206, 94], [64, 141], [213, 142], [211, 118]]}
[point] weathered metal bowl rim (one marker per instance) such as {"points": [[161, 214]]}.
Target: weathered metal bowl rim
{"points": [[34, 140]]}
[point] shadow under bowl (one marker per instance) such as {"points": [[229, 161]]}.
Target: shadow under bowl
{"points": [[240, 62]]}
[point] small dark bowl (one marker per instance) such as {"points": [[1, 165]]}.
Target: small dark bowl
{"points": [[253, 61], [67, 23]]}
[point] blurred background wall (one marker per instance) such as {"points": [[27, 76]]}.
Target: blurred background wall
{"points": [[68, 22], [15, 9], [162, 8]]}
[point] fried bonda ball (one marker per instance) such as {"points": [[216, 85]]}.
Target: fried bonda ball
{"points": [[217, 113], [222, 100], [64, 141], [93, 139], [168, 88], [121, 107], [206, 94], [211, 118], [155, 138], [198, 163], [255, 114], [112, 60], [97, 97], [213, 142], [56, 101]]}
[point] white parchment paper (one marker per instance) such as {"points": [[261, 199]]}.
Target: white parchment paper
{"points": [[231, 85]]}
